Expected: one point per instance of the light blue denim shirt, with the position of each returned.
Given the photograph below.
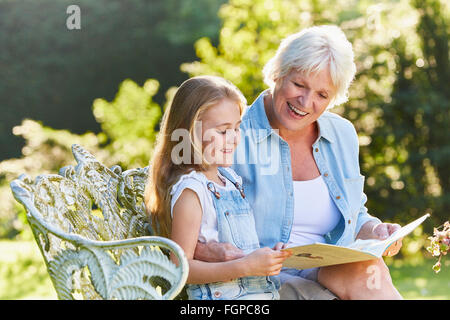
(263, 161)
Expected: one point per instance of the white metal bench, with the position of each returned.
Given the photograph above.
(90, 224)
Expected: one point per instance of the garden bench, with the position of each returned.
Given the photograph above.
(90, 224)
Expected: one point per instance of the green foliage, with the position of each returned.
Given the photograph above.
(46, 150)
(127, 139)
(129, 122)
(415, 281)
(408, 156)
(188, 20)
(253, 30)
(23, 274)
(52, 74)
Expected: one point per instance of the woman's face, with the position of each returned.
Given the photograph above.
(221, 132)
(299, 100)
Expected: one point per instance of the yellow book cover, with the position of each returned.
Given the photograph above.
(321, 254)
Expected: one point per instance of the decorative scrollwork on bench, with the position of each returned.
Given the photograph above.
(90, 224)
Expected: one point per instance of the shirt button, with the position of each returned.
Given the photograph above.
(217, 294)
(338, 197)
(317, 150)
(325, 174)
(349, 221)
(227, 213)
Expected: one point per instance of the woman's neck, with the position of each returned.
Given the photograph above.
(307, 135)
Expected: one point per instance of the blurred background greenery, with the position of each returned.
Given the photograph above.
(105, 87)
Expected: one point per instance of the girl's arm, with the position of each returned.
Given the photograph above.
(187, 216)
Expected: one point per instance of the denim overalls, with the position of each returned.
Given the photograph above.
(236, 225)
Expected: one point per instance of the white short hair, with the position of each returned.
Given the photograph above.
(312, 50)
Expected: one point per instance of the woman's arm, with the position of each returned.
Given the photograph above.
(187, 216)
(213, 251)
(261, 262)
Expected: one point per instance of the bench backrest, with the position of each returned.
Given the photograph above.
(90, 224)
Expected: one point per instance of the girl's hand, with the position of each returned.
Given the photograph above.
(265, 262)
(383, 231)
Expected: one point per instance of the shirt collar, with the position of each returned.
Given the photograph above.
(259, 124)
(325, 130)
(261, 127)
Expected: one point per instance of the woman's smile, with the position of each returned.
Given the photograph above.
(295, 112)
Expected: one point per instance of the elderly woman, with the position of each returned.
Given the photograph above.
(300, 169)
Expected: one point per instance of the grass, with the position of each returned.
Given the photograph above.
(420, 281)
(23, 275)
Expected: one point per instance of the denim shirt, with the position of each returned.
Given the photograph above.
(263, 161)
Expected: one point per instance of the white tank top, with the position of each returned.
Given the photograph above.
(197, 182)
(315, 213)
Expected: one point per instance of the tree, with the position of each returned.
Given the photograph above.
(129, 121)
(52, 74)
(128, 133)
(411, 141)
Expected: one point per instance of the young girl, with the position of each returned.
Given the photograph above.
(193, 195)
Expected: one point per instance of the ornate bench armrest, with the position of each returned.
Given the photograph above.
(123, 269)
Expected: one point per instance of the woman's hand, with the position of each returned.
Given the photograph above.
(383, 231)
(213, 251)
(265, 262)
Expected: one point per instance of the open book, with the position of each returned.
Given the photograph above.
(320, 254)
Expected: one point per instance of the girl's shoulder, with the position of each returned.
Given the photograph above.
(198, 182)
(192, 179)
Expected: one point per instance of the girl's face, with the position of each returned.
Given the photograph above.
(220, 132)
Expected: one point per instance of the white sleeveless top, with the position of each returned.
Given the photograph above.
(315, 213)
(197, 182)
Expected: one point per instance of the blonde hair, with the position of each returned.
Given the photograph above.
(192, 99)
(312, 50)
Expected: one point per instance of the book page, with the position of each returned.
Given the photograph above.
(374, 246)
(320, 254)
(377, 247)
